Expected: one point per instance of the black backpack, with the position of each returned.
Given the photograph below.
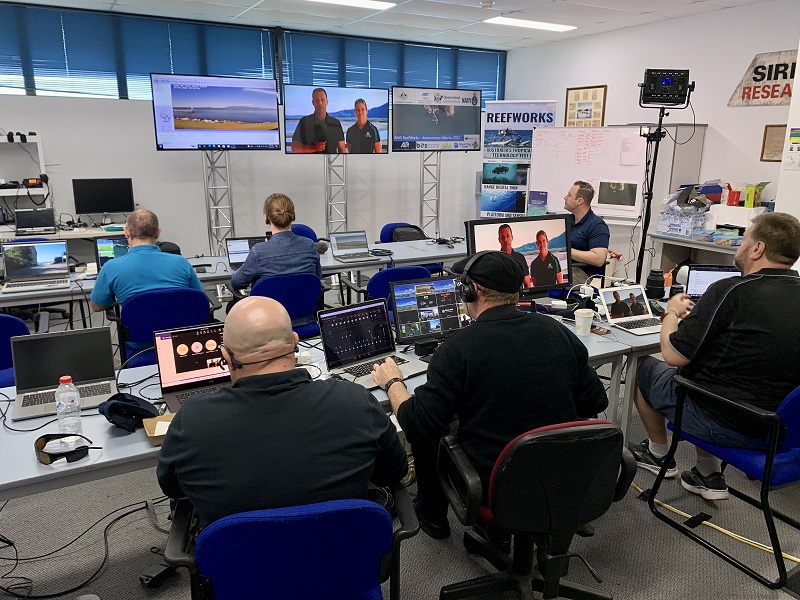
(408, 233)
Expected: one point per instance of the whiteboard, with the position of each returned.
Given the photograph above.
(612, 159)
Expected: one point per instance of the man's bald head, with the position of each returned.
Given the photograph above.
(258, 328)
(142, 224)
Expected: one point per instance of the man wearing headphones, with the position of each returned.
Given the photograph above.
(540, 377)
(739, 341)
(275, 438)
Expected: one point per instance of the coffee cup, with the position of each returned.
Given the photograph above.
(583, 321)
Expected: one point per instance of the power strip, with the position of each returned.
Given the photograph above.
(302, 358)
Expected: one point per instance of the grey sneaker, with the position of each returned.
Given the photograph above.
(646, 460)
(712, 487)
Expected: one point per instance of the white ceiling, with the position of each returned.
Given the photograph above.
(446, 22)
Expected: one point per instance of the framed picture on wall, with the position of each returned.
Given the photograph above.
(586, 106)
(772, 144)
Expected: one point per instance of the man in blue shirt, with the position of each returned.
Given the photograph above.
(589, 234)
(144, 268)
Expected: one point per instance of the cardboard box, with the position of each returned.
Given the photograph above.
(151, 424)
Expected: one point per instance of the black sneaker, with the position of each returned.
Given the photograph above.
(646, 460)
(498, 539)
(438, 531)
(712, 487)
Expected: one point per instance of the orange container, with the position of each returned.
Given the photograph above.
(733, 197)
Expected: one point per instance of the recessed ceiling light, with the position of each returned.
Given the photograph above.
(529, 24)
(371, 4)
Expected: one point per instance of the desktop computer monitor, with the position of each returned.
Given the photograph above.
(427, 309)
(94, 196)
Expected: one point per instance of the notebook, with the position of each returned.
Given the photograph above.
(622, 311)
(427, 308)
(190, 362)
(239, 249)
(109, 248)
(34, 266)
(351, 246)
(41, 359)
(700, 277)
(35, 221)
(355, 337)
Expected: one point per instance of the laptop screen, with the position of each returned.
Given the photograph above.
(41, 359)
(106, 249)
(239, 248)
(356, 332)
(190, 357)
(35, 260)
(29, 218)
(350, 242)
(700, 277)
(427, 308)
(624, 302)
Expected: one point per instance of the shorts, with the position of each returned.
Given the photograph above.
(656, 380)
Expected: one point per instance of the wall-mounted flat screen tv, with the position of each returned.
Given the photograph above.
(335, 120)
(194, 112)
(432, 119)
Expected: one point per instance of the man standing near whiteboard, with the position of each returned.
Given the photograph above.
(589, 234)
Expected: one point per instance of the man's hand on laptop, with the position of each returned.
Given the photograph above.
(681, 304)
(385, 371)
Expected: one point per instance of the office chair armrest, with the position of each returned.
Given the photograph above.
(409, 524)
(627, 472)
(41, 321)
(457, 476)
(179, 551)
(743, 409)
(214, 303)
(349, 284)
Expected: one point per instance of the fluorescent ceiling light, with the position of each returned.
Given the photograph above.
(371, 4)
(529, 24)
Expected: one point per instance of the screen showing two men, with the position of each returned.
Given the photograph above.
(189, 355)
(428, 308)
(628, 301)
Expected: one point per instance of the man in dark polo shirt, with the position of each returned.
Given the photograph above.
(506, 237)
(618, 308)
(318, 133)
(637, 308)
(740, 341)
(545, 268)
(362, 137)
(589, 234)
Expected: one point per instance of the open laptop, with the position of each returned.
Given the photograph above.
(41, 359)
(190, 362)
(355, 337)
(239, 249)
(622, 311)
(35, 221)
(700, 277)
(34, 266)
(351, 246)
(109, 248)
(427, 309)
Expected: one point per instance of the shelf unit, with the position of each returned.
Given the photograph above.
(20, 161)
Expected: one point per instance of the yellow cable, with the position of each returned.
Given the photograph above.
(735, 536)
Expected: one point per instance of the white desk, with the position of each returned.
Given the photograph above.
(8, 232)
(671, 250)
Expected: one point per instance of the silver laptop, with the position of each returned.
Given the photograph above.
(700, 277)
(190, 362)
(239, 249)
(357, 336)
(35, 266)
(41, 359)
(35, 221)
(351, 246)
(627, 307)
(109, 248)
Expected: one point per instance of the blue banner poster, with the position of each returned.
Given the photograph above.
(507, 141)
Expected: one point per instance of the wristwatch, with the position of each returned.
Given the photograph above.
(390, 383)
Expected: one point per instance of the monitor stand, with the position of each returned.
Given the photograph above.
(106, 219)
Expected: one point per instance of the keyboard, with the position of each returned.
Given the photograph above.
(355, 256)
(639, 324)
(26, 284)
(182, 396)
(86, 391)
(364, 369)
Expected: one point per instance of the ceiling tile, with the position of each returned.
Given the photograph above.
(391, 18)
(444, 9)
(686, 10)
(634, 6)
(297, 20)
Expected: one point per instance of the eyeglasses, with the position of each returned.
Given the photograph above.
(72, 455)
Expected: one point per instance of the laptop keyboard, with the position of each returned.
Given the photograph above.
(639, 324)
(86, 391)
(48, 282)
(182, 396)
(364, 369)
(356, 256)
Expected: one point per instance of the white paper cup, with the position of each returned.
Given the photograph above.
(583, 321)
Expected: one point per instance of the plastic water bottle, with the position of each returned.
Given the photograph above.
(68, 409)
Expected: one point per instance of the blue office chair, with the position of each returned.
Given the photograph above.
(9, 327)
(300, 295)
(305, 231)
(147, 312)
(336, 550)
(776, 465)
(379, 284)
(409, 232)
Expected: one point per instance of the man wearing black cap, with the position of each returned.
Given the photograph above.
(539, 375)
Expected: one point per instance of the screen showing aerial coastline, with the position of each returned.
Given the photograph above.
(431, 119)
(193, 112)
(335, 120)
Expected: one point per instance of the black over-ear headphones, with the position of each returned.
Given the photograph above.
(468, 292)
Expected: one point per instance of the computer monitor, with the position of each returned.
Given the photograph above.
(427, 309)
(109, 248)
(94, 196)
(542, 243)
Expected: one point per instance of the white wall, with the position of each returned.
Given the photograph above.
(114, 138)
(788, 197)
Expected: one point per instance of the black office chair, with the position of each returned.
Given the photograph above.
(545, 484)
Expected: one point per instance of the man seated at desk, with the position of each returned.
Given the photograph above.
(589, 234)
(275, 438)
(143, 268)
(739, 341)
(496, 395)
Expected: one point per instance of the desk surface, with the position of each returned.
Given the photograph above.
(9, 233)
(690, 243)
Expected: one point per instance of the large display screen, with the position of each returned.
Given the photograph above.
(94, 196)
(540, 244)
(335, 120)
(432, 119)
(194, 112)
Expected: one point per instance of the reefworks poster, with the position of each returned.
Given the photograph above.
(507, 141)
